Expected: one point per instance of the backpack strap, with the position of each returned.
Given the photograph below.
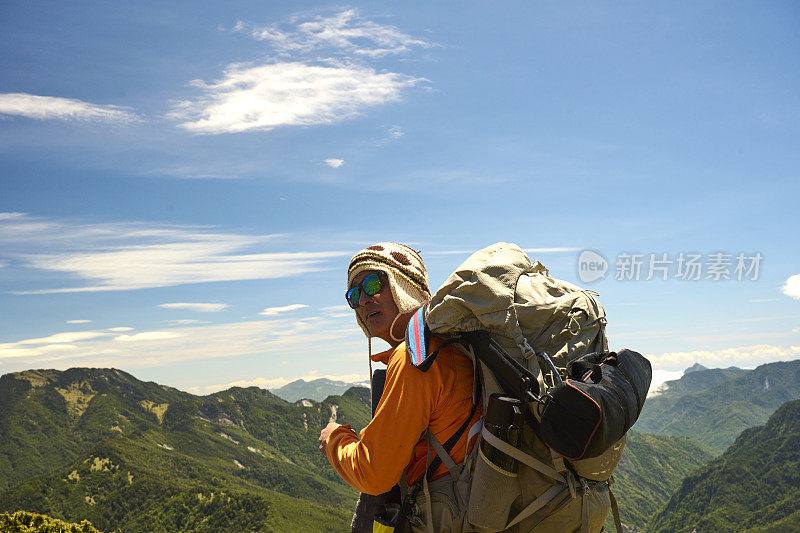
(614, 506)
(522, 457)
(417, 340)
(448, 445)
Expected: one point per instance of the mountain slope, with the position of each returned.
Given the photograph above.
(714, 417)
(651, 469)
(754, 484)
(696, 379)
(24, 522)
(254, 448)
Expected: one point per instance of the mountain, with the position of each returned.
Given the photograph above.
(695, 368)
(318, 389)
(753, 486)
(24, 522)
(697, 378)
(127, 455)
(651, 469)
(716, 415)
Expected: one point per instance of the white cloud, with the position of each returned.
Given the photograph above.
(277, 336)
(792, 287)
(200, 307)
(51, 107)
(526, 250)
(743, 356)
(262, 97)
(67, 337)
(334, 163)
(126, 256)
(336, 308)
(147, 336)
(344, 32)
(185, 322)
(78, 321)
(273, 311)
(394, 133)
(659, 377)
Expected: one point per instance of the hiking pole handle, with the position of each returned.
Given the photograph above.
(512, 376)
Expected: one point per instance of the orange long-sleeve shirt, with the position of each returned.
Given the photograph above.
(412, 400)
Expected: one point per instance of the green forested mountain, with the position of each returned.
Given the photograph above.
(98, 444)
(127, 455)
(651, 469)
(715, 416)
(25, 522)
(317, 389)
(753, 486)
(697, 378)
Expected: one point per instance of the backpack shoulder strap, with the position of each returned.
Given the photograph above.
(418, 340)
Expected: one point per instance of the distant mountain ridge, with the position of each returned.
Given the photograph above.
(317, 389)
(715, 415)
(128, 455)
(697, 378)
(753, 486)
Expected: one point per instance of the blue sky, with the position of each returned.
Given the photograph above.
(181, 188)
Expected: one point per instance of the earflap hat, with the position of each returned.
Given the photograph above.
(408, 277)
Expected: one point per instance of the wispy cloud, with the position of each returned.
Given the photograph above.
(53, 107)
(78, 321)
(334, 163)
(394, 133)
(185, 322)
(792, 287)
(526, 250)
(263, 97)
(126, 348)
(273, 311)
(200, 307)
(127, 256)
(317, 73)
(344, 32)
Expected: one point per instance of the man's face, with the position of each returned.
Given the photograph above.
(376, 311)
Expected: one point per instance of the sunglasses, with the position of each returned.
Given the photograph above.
(371, 285)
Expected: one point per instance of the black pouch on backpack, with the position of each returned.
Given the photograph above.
(596, 405)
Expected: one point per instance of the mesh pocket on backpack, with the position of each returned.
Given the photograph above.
(492, 493)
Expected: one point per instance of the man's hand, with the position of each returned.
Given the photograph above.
(324, 434)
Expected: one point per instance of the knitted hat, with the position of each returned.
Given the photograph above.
(408, 277)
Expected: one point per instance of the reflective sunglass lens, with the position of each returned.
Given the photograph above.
(371, 285)
(353, 295)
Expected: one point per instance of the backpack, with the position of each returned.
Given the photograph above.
(556, 404)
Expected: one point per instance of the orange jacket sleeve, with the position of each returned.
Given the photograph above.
(375, 462)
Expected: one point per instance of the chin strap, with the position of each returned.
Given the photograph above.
(369, 358)
(391, 329)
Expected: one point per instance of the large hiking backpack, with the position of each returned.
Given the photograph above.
(527, 333)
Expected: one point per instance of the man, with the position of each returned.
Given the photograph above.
(387, 283)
